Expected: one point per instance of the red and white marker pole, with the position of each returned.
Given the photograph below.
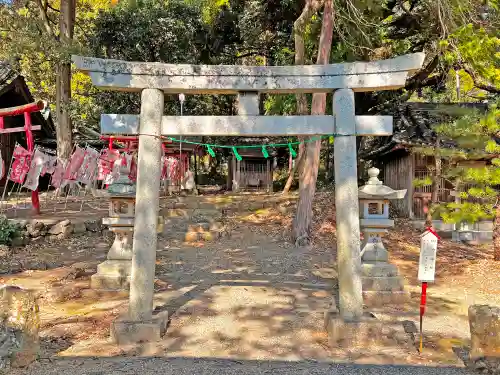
(423, 301)
(426, 270)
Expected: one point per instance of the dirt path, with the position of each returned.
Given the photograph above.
(252, 297)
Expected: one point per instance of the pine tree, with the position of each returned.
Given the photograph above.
(470, 149)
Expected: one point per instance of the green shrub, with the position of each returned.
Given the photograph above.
(8, 230)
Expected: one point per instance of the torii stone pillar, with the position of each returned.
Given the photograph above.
(347, 207)
(154, 79)
(146, 206)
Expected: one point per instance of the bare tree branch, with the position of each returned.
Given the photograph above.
(423, 73)
(54, 9)
(44, 17)
(480, 85)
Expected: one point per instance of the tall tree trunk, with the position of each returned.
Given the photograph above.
(327, 161)
(299, 30)
(63, 82)
(496, 232)
(436, 178)
(297, 167)
(309, 173)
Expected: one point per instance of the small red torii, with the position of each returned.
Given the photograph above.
(25, 110)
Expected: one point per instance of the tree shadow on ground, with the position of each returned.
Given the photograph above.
(245, 299)
(246, 302)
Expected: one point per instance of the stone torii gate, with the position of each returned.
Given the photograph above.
(154, 80)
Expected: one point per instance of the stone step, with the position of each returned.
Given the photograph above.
(202, 236)
(215, 226)
(112, 275)
(176, 213)
(242, 204)
(383, 283)
(377, 298)
(185, 225)
(198, 214)
(379, 270)
(109, 282)
(114, 267)
(190, 236)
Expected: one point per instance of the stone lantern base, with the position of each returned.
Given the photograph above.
(382, 285)
(114, 273)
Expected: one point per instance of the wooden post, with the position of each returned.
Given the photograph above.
(35, 199)
(238, 175)
(195, 155)
(411, 189)
(269, 175)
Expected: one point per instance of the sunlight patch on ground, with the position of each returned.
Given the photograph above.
(246, 322)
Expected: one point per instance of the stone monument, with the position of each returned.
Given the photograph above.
(484, 323)
(381, 282)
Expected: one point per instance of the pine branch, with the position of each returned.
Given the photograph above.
(423, 74)
(478, 83)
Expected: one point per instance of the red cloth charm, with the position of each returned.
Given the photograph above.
(20, 165)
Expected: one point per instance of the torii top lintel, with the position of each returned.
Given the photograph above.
(230, 79)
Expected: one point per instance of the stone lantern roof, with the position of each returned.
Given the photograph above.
(375, 189)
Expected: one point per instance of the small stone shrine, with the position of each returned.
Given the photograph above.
(381, 282)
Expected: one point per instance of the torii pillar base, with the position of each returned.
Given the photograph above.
(126, 332)
(368, 332)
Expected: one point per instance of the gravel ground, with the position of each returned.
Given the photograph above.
(242, 305)
(181, 366)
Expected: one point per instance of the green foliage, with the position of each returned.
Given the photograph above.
(473, 165)
(8, 230)
(35, 52)
(422, 182)
(256, 32)
(476, 47)
(465, 212)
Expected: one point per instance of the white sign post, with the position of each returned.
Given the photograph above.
(426, 269)
(428, 252)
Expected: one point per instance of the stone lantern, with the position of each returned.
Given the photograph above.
(381, 283)
(114, 273)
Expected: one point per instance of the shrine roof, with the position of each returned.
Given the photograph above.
(413, 123)
(6, 74)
